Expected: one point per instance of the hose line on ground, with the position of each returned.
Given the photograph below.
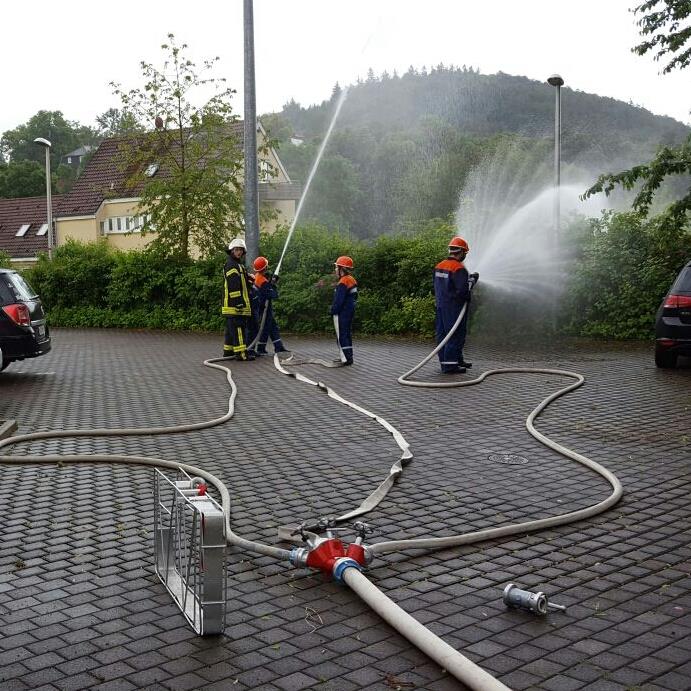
(231, 537)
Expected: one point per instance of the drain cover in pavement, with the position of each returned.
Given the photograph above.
(507, 458)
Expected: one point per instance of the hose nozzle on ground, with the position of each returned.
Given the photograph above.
(529, 601)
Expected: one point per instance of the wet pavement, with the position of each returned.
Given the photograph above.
(81, 607)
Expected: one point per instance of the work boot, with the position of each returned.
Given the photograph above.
(228, 356)
(453, 370)
(465, 365)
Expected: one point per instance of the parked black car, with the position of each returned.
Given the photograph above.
(673, 322)
(23, 329)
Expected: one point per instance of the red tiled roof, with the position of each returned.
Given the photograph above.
(105, 177)
(16, 212)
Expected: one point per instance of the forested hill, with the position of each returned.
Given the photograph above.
(403, 146)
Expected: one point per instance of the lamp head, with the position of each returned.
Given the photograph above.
(555, 80)
(42, 142)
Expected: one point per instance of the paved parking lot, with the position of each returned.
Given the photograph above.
(80, 606)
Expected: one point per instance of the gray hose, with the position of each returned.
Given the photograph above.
(527, 526)
(232, 538)
(396, 469)
(420, 636)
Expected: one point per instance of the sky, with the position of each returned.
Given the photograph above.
(304, 47)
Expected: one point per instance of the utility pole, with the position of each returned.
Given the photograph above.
(251, 182)
(556, 81)
(49, 200)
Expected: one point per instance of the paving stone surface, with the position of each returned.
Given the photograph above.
(81, 607)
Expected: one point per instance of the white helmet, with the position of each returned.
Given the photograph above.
(237, 242)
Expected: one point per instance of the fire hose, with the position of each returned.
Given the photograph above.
(341, 563)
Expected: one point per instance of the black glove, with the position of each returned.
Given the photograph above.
(274, 278)
(474, 277)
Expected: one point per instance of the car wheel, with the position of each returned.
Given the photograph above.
(665, 359)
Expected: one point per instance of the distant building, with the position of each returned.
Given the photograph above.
(101, 204)
(74, 158)
(24, 228)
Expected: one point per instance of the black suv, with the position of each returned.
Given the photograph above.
(673, 322)
(23, 329)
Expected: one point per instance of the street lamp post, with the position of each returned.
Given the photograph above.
(250, 129)
(49, 201)
(557, 82)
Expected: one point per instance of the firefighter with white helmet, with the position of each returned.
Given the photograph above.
(343, 307)
(236, 302)
(452, 286)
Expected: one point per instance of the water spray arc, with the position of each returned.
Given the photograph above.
(339, 104)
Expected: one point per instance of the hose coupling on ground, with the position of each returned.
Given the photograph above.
(341, 565)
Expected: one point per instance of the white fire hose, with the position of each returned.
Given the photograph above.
(448, 658)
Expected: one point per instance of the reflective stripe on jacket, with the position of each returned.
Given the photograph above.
(236, 291)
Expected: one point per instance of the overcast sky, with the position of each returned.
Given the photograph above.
(303, 47)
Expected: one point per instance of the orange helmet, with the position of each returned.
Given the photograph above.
(457, 244)
(344, 262)
(260, 263)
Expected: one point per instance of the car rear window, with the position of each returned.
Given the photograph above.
(14, 288)
(6, 290)
(683, 282)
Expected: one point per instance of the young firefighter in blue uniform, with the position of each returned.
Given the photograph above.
(343, 308)
(452, 287)
(263, 294)
(236, 302)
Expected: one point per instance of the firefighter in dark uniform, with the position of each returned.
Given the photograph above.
(263, 293)
(452, 286)
(236, 302)
(343, 308)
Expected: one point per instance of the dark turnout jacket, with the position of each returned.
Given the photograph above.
(236, 293)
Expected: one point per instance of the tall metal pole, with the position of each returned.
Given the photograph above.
(49, 206)
(49, 200)
(251, 173)
(556, 81)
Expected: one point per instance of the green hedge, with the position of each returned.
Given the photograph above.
(621, 266)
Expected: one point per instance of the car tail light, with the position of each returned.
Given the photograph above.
(677, 301)
(18, 313)
(665, 342)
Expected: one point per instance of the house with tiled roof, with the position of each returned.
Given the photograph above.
(24, 228)
(104, 203)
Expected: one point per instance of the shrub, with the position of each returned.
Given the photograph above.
(626, 267)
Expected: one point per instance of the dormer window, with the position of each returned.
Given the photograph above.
(42, 230)
(151, 170)
(22, 230)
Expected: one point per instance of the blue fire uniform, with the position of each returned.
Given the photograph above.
(343, 310)
(264, 292)
(451, 292)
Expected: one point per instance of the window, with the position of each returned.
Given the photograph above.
(265, 172)
(42, 230)
(122, 224)
(22, 230)
(69, 159)
(151, 170)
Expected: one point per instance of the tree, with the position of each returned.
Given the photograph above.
(117, 123)
(22, 179)
(664, 31)
(64, 135)
(669, 160)
(189, 168)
